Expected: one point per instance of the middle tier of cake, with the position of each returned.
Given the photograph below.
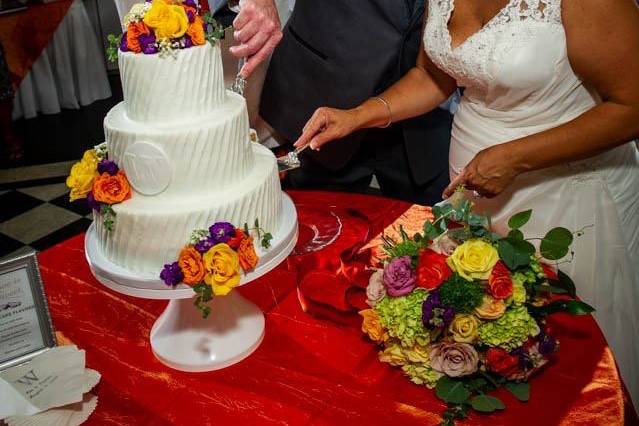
(192, 156)
(150, 231)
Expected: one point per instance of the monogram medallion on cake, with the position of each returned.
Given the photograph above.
(147, 167)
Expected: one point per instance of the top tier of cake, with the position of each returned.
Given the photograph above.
(165, 89)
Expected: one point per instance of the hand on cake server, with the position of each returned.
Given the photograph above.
(257, 30)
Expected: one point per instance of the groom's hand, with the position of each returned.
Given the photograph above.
(258, 30)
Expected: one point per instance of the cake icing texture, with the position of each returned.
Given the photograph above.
(183, 142)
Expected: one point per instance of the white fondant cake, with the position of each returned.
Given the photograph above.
(183, 142)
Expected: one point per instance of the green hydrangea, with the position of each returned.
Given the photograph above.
(402, 318)
(422, 374)
(519, 294)
(510, 331)
(461, 294)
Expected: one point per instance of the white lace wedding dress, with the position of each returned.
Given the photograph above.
(518, 81)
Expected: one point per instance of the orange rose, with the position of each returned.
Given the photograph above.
(190, 261)
(246, 252)
(196, 32)
(135, 30)
(109, 189)
(235, 241)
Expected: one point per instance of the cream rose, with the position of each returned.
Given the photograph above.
(454, 359)
(464, 328)
(375, 291)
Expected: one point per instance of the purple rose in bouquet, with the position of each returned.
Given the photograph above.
(108, 166)
(222, 232)
(399, 276)
(172, 274)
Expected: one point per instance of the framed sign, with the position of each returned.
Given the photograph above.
(26, 329)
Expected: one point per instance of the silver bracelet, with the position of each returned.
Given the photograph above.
(388, 108)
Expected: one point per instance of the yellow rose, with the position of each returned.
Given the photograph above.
(222, 269)
(417, 353)
(473, 260)
(393, 354)
(464, 328)
(490, 308)
(166, 20)
(373, 327)
(82, 174)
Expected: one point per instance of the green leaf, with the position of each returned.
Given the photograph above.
(575, 307)
(418, 237)
(565, 283)
(520, 219)
(515, 253)
(451, 391)
(430, 232)
(486, 403)
(556, 243)
(266, 240)
(521, 391)
(516, 234)
(557, 290)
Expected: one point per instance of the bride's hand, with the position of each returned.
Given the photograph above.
(489, 173)
(326, 125)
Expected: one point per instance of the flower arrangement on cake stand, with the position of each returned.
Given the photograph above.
(181, 338)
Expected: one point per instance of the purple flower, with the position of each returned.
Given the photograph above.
(222, 232)
(191, 16)
(108, 166)
(547, 344)
(187, 42)
(399, 276)
(204, 245)
(93, 205)
(124, 47)
(172, 274)
(434, 314)
(147, 43)
(190, 3)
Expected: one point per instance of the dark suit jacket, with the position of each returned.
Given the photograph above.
(338, 53)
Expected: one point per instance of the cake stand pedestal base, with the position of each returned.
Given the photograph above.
(183, 340)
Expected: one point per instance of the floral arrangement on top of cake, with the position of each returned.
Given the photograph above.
(164, 26)
(212, 261)
(100, 181)
(462, 309)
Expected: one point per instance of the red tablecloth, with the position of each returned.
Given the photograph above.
(25, 34)
(307, 371)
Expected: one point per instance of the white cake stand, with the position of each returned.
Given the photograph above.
(180, 337)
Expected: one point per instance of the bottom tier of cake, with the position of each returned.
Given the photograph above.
(150, 231)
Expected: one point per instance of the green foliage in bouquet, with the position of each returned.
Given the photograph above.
(462, 295)
(510, 331)
(113, 47)
(402, 317)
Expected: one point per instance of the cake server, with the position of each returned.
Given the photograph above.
(240, 82)
(290, 161)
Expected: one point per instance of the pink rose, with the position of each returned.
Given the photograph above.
(453, 359)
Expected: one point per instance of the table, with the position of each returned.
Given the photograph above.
(24, 35)
(308, 371)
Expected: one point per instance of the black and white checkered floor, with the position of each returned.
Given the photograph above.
(35, 213)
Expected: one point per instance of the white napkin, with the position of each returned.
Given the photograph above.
(52, 379)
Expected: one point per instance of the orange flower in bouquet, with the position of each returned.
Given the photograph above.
(235, 240)
(500, 284)
(247, 255)
(196, 31)
(111, 189)
(432, 269)
(134, 31)
(192, 266)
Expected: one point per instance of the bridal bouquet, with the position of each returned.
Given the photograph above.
(462, 310)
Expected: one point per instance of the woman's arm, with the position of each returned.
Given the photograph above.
(603, 48)
(422, 89)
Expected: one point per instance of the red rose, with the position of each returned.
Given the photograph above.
(432, 269)
(500, 284)
(235, 241)
(501, 362)
(551, 274)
